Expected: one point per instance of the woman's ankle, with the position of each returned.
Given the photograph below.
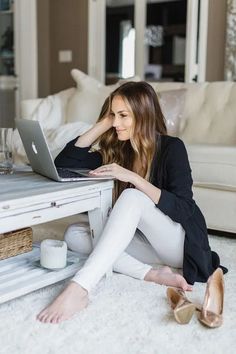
(151, 275)
(156, 275)
(74, 285)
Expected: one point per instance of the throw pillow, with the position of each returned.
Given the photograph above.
(51, 110)
(86, 102)
(172, 105)
(58, 138)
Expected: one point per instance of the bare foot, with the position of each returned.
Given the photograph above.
(165, 276)
(73, 299)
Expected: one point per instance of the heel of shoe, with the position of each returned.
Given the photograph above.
(184, 313)
(212, 309)
(183, 308)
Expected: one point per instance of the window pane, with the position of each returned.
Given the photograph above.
(165, 38)
(120, 37)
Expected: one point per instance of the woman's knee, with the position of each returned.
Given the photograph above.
(71, 232)
(78, 238)
(133, 194)
(135, 197)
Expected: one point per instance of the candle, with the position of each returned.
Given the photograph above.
(53, 254)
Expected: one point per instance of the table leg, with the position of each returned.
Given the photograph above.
(98, 218)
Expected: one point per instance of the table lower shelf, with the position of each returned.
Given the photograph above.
(20, 275)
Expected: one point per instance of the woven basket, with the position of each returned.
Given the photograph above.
(15, 242)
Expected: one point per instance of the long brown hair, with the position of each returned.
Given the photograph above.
(137, 153)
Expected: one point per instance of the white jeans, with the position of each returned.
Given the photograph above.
(135, 226)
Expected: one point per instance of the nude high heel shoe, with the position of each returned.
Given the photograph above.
(212, 309)
(182, 307)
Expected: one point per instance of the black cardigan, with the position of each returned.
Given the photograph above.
(171, 173)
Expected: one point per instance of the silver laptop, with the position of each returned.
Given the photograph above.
(40, 158)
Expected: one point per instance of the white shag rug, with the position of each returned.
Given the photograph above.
(125, 316)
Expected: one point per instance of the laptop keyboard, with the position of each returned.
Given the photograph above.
(63, 173)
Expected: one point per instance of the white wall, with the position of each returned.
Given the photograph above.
(26, 48)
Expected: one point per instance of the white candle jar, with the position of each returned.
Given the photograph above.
(53, 254)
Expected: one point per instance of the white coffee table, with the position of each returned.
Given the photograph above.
(27, 199)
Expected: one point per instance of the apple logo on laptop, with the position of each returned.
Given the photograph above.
(34, 148)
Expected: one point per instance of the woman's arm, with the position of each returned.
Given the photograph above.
(176, 198)
(146, 187)
(125, 175)
(76, 153)
(88, 138)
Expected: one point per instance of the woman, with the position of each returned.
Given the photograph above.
(153, 198)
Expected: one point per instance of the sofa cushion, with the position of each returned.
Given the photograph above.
(209, 116)
(209, 111)
(87, 100)
(58, 138)
(50, 111)
(172, 106)
(28, 107)
(213, 166)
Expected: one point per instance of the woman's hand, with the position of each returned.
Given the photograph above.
(93, 133)
(125, 175)
(107, 121)
(115, 170)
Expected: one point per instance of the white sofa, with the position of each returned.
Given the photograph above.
(202, 114)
